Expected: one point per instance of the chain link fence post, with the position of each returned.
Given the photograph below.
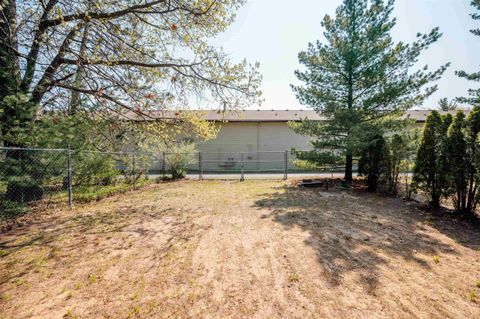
(163, 164)
(133, 171)
(242, 171)
(285, 172)
(200, 168)
(69, 177)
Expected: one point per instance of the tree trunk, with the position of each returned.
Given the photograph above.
(75, 101)
(349, 157)
(23, 185)
(349, 168)
(435, 203)
(9, 66)
(10, 72)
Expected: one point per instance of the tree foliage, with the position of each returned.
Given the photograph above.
(402, 147)
(384, 158)
(446, 105)
(456, 156)
(107, 59)
(88, 73)
(430, 165)
(462, 149)
(474, 94)
(448, 160)
(359, 76)
(374, 162)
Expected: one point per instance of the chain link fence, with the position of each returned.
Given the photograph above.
(44, 177)
(31, 175)
(243, 163)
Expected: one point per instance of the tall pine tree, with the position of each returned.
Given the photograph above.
(464, 162)
(358, 77)
(429, 174)
(457, 164)
(473, 161)
(474, 94)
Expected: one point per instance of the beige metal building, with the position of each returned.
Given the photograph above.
(261, 138)
(257, 131)
(262, 130)
(266, 131)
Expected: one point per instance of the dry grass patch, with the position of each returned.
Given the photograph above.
(258, 249)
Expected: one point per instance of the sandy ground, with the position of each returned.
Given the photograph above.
(225, 249)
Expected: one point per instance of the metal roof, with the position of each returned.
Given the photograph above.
(257, 115)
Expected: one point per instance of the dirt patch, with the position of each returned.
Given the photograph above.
(257, 249)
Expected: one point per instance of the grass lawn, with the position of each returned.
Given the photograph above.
(226, 249)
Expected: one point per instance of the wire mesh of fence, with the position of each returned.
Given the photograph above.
(38, 178)
(249, 161)
(32, 177)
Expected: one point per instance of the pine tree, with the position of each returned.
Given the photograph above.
(374, 162)
(446, 105)
(359, 77)
(456, 155)
(473, 161)
(447, 120)
(400, 147)
(429, 172)
(474, 94)
(462, 154)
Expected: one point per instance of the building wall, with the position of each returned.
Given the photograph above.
(260, 137)
(255, 137)
(278, 136)
(263, 145)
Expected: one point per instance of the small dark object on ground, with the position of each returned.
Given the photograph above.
(312, 183)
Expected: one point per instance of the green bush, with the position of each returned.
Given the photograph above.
(26, 174)
(89, 193)
(9, 209)
(93, 168)
(384, 158)
(179, 157)
(430, 172)
(402, 148)
(317, 159)
(448, 160)
(462, 150)
(374, 162)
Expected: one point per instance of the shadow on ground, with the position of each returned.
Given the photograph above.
(57, 240)
(358, 232)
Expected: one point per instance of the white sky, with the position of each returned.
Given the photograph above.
(273, 32)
